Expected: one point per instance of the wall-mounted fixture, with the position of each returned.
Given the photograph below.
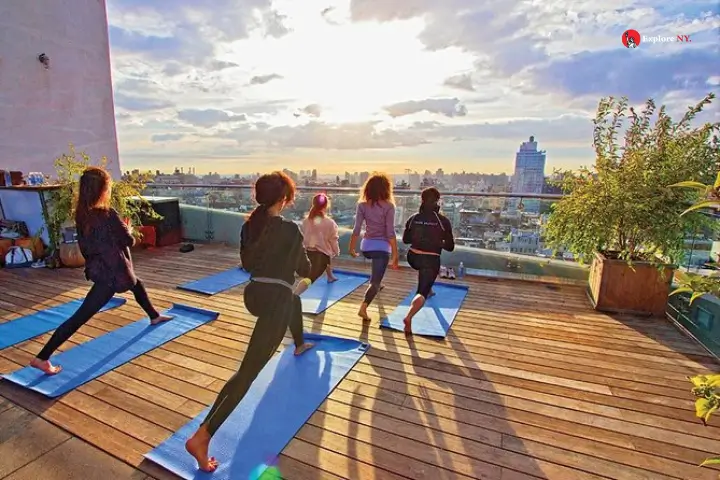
(45, 60)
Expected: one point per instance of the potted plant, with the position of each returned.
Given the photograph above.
(621, 216)
(126, 199)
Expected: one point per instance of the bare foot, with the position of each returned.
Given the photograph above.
(362, 313)
(197, 446)
(160, 319)
(45, 366)
(408, 326)
(332, 279)
(303, 348)
(431, 294)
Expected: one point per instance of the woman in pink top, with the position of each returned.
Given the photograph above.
(320, 234)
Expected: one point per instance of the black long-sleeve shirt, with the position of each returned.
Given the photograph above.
(429, 231)
(281, 255)
(106, 249)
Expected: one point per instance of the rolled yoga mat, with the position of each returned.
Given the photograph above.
(30, 326)
(322, 295)
(93, 358)
(435, 317)
(219, 282)
(283, 397)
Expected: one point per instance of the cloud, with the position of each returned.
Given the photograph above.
(449, 107)
(321, 135)
(263, 79)
(460, 82)
(167, 137)
(634, 73)
(312, 110)
(209, 117)
(140, 104)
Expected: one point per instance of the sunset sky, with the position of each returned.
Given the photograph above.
(238, 86)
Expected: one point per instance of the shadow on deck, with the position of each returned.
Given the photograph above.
(529, 383)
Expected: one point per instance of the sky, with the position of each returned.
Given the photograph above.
(238, 86)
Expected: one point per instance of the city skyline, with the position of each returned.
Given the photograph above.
(376, 85)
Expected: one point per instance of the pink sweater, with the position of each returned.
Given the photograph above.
(321, 234)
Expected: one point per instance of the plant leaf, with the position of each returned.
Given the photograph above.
(697, 185)
(682, 290)
(711, 461)
(698, 380)
(695, 296)
(704, 408)
(705, 204)
(717, 182)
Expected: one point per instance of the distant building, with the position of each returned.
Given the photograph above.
(529, 176)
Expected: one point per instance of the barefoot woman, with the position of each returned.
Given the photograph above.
(105, 243)
(271, 249)
(376, 209)
(427, 232)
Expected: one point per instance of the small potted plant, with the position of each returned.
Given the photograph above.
(620, 215)
(126, 199)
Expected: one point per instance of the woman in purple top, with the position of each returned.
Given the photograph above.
(376, 210)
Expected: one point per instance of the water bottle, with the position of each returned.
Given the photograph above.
(461, 270)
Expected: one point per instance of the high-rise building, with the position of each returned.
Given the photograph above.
(529, 176)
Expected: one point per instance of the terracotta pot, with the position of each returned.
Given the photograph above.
(70, 255)
(616, 287)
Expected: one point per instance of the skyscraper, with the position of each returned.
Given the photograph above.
(529, 175)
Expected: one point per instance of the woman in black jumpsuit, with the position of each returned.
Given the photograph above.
(271, 249)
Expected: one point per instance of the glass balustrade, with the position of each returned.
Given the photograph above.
(494, 233)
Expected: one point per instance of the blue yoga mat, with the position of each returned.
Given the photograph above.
(322, 295)
(435, 317)
(218, 282)
(30, 326)
(95, 357)
(283, 397)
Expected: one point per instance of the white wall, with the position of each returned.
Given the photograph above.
(41, 111)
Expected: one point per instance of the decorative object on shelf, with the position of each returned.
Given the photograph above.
(61, 207)
(621, 215)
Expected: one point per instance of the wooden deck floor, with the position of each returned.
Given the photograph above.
(530, 383)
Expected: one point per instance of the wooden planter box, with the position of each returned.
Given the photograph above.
(615, 287)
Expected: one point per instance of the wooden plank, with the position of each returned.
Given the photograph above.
(76, 459)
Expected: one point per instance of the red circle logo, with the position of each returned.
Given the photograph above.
(631, 39)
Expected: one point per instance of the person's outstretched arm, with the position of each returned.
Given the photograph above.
(390, 232)
(407, 234)
(359, 219)
(121, 232)
(302, 262)
(449, 240)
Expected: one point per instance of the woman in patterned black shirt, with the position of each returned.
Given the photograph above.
(105, 242)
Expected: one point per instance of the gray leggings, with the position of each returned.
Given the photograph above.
(380, 262)
(277, 309)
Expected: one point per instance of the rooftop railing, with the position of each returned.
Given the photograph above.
(495, 233)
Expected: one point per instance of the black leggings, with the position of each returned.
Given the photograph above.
(428, 268)
(318, 263)
(277, 309)
(380, 262)
(96, 298)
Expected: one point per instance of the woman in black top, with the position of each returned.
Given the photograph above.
(427, 232)
(272, 251)
(105, 242)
